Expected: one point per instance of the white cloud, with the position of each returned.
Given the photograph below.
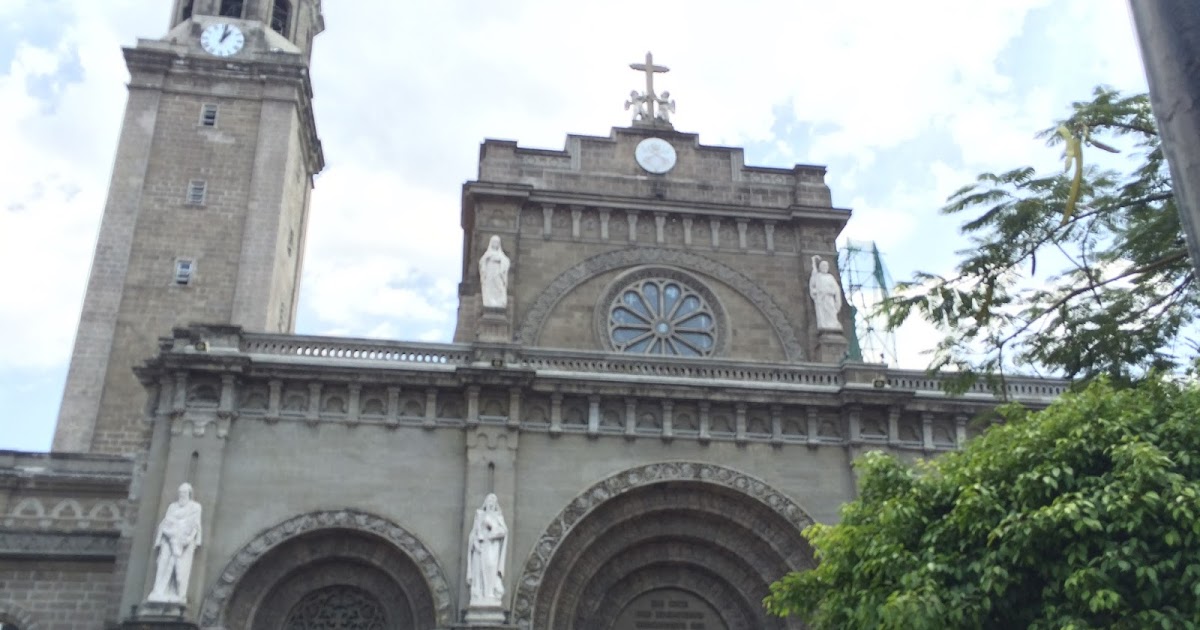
(405, 92)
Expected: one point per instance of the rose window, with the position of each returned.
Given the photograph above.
(662, 316)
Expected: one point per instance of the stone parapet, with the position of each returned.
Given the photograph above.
(711, 175)
(211, 377)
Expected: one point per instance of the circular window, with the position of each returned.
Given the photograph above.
(662, 316)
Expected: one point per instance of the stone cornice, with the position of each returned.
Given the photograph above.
(149, 64)
(65, 472)
(219, 377)
(498, 190)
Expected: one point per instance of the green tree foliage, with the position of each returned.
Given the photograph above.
(1084, 515)
(1084, 272)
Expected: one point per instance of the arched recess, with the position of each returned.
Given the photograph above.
(286, 566)
(535, 318)
(699, 530)
(11, 614)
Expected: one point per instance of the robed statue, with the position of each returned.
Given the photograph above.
(176, 540)
(487, 551)
(493, 275)
(826, 295)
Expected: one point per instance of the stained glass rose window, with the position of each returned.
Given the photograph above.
(662, 316)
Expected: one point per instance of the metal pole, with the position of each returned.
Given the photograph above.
(1169, 33)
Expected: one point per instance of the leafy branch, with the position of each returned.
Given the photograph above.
(1081, 273)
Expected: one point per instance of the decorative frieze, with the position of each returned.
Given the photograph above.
(59, 545)
(64, 514)
(593, 394)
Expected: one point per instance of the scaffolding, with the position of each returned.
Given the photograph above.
(867, 285)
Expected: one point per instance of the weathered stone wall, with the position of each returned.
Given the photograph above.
(245, 239)
(64, 521)
(283, 436)
(37, 594)
(565, 218)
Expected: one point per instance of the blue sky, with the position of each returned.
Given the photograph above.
(905, 102)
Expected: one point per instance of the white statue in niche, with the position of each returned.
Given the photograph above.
(826, 295)
(176, 540)
(486, 553)
(493, 275)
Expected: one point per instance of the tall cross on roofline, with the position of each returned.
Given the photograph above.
(644, 104)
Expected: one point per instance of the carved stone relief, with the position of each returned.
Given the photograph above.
(552, 538)
(227, 582)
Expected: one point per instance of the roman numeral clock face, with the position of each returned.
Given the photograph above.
(222, 39)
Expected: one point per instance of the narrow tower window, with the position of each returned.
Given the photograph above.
(231, 8)
(208, 115)
(281, 16)
(183, 271)
(291, 241)
(196, 191)
(186, 11)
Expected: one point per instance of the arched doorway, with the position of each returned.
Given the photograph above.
(681, 545)
(330, 571)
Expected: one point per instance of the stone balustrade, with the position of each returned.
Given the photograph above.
(211, 376)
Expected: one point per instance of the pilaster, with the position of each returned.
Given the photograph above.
(490, 469)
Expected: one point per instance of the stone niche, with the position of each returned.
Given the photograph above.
(669, 609)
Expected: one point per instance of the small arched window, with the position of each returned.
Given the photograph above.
(231, 8)
(281, 17)
(185, 12)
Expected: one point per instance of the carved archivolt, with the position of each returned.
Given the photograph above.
(539, 311)
(552, 538)
(218, 596)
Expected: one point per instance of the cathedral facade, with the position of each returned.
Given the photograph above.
(645, 402)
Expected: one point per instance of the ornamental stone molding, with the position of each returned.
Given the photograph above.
(551, 539)
(67, 514)
(59, 545)
(218, 597)
(565, 283)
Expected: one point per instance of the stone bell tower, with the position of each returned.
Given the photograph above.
(208, 204)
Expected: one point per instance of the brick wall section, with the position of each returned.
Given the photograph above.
(246, 239)
(769, 224)
(60, 595)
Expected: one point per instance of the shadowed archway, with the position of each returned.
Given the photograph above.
(326, 566)
(665, 543)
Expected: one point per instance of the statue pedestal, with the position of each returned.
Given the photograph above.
(493, 326)
(159, 616)
(485, 617)
(831, 346)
